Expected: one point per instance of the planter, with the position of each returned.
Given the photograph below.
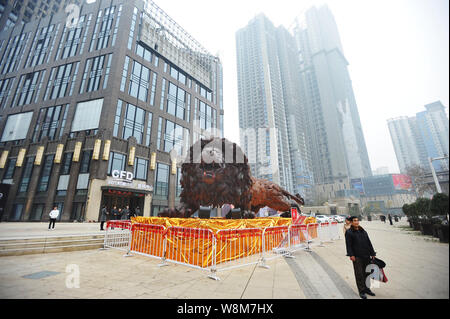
(443, 233)
(416, 225)
(426, 228)
(369, 218)
(396, 218)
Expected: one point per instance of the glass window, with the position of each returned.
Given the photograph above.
(117, 161)
(48, 123)
(10, 166)
(117, 118)
(140, 168)
(85, 161)
(162, 180)
(149, 129)
(134, 123)
(87, 115)
(16, 127)
(26, 174)
(45, 173)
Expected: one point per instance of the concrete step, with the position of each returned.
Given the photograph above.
(49, 244)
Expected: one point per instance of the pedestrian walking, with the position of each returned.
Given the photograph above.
(103, 216)
(53, 216)
(390, 219)
(361, 252)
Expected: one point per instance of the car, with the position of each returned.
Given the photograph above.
(338, 218)
(322, 219)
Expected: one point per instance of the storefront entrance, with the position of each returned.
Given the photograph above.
(122, 198)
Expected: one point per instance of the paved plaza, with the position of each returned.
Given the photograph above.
(416, 268)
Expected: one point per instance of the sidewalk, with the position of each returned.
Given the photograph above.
(11, 230)
(416, 268)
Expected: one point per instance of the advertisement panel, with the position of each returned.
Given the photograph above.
(402, 182)
(356, 183)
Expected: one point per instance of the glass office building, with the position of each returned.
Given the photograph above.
(91, 109)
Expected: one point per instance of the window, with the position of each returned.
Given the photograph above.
(26, 175)
(45, 173)
(163, 93)
(153, 91)
(48, 122)
(139, 81)
(162, 181)
(117, 118)
(13, 52)
(28, 89)
(85, 161)
(140, 168)
(124, 74)
(73, 38)
(102, 29)
(93, 73)
(10, 166)
(16, 214)
(176, 137)
(149, 129)
(16, 127)
(176, 102)
(61, 82)
(87, 115)
(42, 45)
(156, 209)
(134, 123)
(36, 212)
(5, 90)
(144, 53)
(117, 161)
(66, 163)
(132, 29)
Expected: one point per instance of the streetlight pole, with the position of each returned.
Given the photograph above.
(436, 181)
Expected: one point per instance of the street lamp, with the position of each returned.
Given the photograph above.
(436, 181)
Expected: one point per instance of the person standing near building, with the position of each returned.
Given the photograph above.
(103, 216)
(361, 252)
(390, 219)
(115, 213)
(137, 212)
(125, 213)
(53, 216)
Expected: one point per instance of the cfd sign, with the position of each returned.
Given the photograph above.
(123, 175)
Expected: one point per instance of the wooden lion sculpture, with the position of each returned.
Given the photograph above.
(216, 172)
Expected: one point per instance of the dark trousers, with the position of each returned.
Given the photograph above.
(359, 266)
(101, 225)
(52, 221)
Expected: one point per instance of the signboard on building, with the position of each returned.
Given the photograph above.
(402, 182)
(356, 183)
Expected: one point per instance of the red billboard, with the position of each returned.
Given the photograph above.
(402, 182)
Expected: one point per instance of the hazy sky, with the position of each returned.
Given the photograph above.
(398, 52)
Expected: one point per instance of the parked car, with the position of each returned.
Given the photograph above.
(322, 219)
(338, 218)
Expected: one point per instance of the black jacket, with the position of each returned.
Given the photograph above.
(358, 243)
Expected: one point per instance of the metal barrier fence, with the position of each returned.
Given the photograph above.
(227, 249)
(118, 235)
(334, 231)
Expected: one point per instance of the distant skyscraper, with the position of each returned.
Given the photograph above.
(334, 133)
(417, 138)
(381, 171)
(270, 115)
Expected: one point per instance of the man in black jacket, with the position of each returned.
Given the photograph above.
(360, 251)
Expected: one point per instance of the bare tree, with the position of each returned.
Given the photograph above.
(420, 184)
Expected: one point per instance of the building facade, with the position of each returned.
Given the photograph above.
(270, 114)
(417, 138)
(334, 132)
(91, 109)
